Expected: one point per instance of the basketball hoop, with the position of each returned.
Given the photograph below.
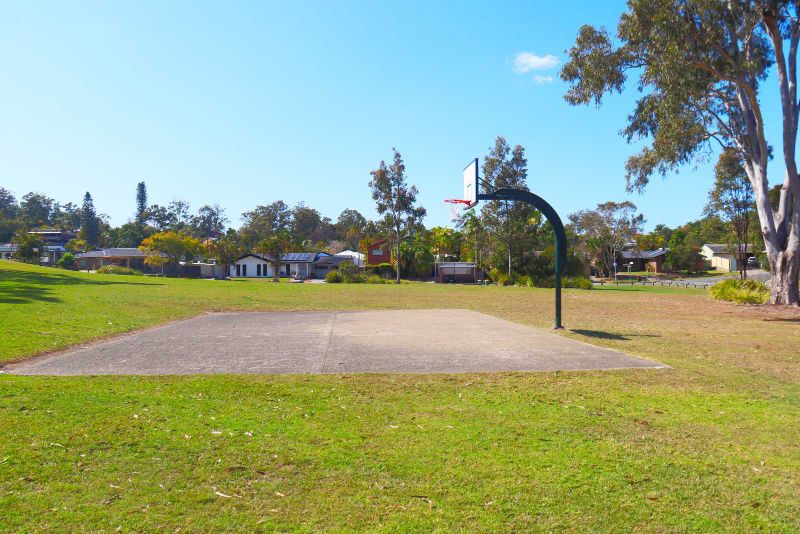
(454, 209)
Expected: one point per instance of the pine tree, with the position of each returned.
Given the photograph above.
(90, 225)
(141, 203)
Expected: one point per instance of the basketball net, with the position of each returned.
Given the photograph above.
(455, 207)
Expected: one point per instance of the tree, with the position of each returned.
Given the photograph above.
(141, 203)
(350, 227)
(8, 215)
(29, 246)
(161, 217)
(265, 221)
(67, 261)
(169, 247)
(34, 210)
(8, 204)
(699, 66)
(471, 225)
(209, 220)
(305, 223)
(732, 198)
(90, 224)
(274, 247)
(606, 230)
(65, 217)
(224, 250)
(180, 216)
(395, 199)
(508, 224)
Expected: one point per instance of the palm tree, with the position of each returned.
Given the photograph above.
(274, 247)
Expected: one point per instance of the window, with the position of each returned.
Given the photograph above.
(258, 270)
(244, 270)
(238, 270)
(377, 252)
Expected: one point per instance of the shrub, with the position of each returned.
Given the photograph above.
(376, 279)
(116, 269)
(524, 280)
(387, 270)
(67, 261)
(334, 277)
(578, 282)
(741, 291)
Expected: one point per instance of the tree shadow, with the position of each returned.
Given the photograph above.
(598, 334)
(21, 287)
(784, 320)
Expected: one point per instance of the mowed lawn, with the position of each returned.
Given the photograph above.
(711, 444)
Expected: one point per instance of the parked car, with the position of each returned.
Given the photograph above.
(753, 262)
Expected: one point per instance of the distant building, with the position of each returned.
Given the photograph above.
(7, 250)
(55, 242)
(378, 252)
(456, 272)
(292, 264)
(132, 258)
(723, 257)
(651, 261)
(356, 257)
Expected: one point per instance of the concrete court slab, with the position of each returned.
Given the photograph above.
(407, 341)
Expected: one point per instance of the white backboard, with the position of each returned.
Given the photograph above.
(471, 183)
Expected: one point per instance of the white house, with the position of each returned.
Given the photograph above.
(723, 257)
(293, 264)
(356, 257)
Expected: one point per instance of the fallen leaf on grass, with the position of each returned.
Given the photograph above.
(220, 494)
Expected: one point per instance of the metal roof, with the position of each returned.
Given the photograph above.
(8, 247)
(722, 248)
(642, 254)
(114, 253)
(290, 257)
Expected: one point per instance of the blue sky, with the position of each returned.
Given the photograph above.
(246, 103)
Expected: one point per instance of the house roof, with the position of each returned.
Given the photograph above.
(114, 253)
(350, 253)
(332, 260)
(8, 247)
(376, 243)
(292, 257)
(642, 254)
(722, 248)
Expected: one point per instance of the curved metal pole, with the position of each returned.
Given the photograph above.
(558, 230)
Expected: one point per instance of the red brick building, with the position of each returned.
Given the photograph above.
(378, 252)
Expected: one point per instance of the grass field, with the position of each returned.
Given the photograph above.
(711, 444)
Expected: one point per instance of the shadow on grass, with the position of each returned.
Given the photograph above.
(20, 287)
(598, 334)
(795, 320)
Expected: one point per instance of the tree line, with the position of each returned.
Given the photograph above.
(511, 241)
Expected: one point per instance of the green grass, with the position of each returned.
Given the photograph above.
(708, 445)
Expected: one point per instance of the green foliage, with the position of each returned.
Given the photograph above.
(90, 224)
(377, 279)
(29, 246)
(334, 277)
(523, 280)
(117, 269)
(67, 261)
(349, 270)
(741, 291)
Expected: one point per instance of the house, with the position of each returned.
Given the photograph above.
(651, 261)
(293, 264)
(456, 271)
(356, 257)
(722, 257)
(132, 258)
(54, 241)
(326, 264)
(7, 250)
(378, 252)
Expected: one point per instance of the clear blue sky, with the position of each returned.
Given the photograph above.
(246, 103)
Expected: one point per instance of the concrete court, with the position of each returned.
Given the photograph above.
(408, 341)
